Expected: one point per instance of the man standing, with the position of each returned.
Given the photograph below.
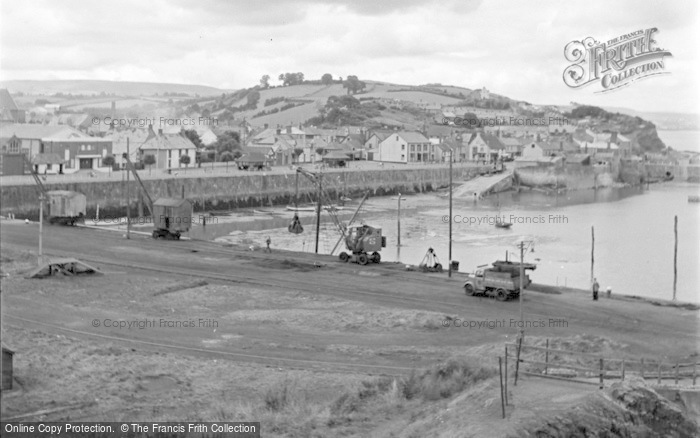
(269, 241)
(596, 288)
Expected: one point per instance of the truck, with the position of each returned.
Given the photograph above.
(501, 280)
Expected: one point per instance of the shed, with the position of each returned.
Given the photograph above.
(253, 160)
(6, 367)
(336, 157)
(47, 161)
(66, 205)
(172, 214)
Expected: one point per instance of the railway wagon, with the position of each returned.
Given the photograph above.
(171, 217)
(66, 207)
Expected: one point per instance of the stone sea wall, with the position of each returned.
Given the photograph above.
(237, 191)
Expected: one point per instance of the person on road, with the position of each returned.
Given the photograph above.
(268, 241)
(596, 288)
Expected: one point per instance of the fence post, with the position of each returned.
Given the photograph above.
(517, 360)
(694, 372)
(658, 380)
(500, 371)
(505, 386)
(677, 368)
(601, 373)
(623, 369)
(643, 369)
(546, 357)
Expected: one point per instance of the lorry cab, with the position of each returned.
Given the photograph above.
(478, 278)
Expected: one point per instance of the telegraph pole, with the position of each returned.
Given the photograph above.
(520, 295)
(128, 195)
(592, 254)
(675, 256)
(398, 223)
(41, 226)
(449, 254)
(318, 209)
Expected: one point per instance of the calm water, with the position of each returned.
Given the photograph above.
(681, 140)
(634, 236)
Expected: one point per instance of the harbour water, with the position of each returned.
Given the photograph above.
(634, 234)
(681, 140)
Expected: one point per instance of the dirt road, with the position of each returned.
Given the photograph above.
(644, 328)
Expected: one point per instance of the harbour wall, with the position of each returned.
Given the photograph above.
(576, 177)
(221, 193)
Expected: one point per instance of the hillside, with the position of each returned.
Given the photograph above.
(392, 105)
(642, 132)
(120, 88)
(382, 105)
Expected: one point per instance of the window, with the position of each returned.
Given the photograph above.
(82, 147)
(14, 146)
(413, 148)
(403, 147)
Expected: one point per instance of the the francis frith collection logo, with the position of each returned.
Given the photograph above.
(615, 63)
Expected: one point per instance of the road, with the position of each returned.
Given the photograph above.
(647, 330)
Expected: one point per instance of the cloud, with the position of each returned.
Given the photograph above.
(512, 48)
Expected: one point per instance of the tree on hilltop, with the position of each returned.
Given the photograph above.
(353, 84)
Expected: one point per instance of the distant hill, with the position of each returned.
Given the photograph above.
(120, 88)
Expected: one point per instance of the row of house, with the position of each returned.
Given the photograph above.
(63, 149)
(50, 149)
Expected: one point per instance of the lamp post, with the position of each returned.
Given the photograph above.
(449, 250)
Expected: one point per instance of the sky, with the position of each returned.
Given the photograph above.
(512, 48)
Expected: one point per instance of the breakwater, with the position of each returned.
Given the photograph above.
(227, 192)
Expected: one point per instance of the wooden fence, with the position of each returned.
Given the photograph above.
(592, 367)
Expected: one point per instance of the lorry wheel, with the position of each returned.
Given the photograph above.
(362, 259)
(501, 295)
(344, 256)
(154, 234)
(469, 289)
(438, 267)
(376, 258)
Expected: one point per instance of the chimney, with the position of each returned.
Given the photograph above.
(278, 131)
(266, 126)
(289, 129)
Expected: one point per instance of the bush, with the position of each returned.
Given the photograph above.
(276, 398)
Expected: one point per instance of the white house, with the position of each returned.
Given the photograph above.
(405, 147)
(532, 151)
(372, 144)
(168, 149)
(484, 146)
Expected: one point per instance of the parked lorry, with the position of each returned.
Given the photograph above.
(501, 281)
